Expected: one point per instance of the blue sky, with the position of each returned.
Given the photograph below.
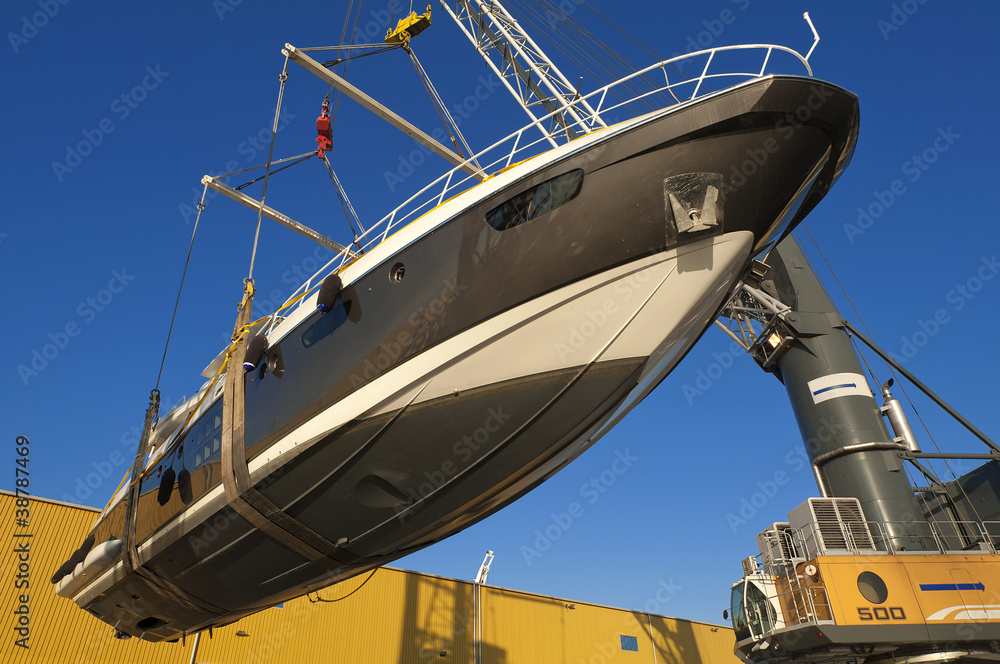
(114, 111)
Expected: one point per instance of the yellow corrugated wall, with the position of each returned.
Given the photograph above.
(391, 617)
(396, 616)
(523, 627)
(60, 631)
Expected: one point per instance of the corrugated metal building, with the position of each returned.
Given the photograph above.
(391, 616)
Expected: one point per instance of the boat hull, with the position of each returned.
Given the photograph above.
(421, 404)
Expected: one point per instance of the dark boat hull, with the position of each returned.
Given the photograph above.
(419, 406)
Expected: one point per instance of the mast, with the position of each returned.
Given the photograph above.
(804, 344)
(518, 61)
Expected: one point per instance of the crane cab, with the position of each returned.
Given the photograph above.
(835, 588)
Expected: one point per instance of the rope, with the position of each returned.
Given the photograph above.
(163, 360)
(320, 599)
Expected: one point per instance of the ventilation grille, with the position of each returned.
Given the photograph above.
(776, 545)
(831, 525)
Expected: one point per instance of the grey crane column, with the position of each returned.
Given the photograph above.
(845, 435)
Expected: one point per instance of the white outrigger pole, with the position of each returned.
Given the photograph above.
(491, 29)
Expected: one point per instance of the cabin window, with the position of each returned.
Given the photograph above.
(209, 432)
(540, 199)
(758, 610)
(736, 612)
(324, 326)
(202, 443)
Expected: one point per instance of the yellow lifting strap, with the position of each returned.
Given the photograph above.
(409, 27)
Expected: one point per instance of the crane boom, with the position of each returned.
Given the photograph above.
(524, 69)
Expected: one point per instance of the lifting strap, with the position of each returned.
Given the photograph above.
(241, 495)
(130, 550)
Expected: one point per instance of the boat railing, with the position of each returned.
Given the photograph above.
(665, 82)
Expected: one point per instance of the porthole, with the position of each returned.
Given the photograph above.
(396, 273)
(872, 587)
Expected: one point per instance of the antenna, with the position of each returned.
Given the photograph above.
(815, 34)
(484, 569)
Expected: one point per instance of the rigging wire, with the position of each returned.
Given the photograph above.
(606, 72)
(298, 160)
(345, 63)
(625, 67)
(350, 58)
(267, 172)
(442, 110)
(273, 163)
(632, 38)
(609, 68)
(616, 63)
(870, 335)
(345, 202)
(343, 71)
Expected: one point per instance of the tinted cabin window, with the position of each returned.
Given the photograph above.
(208, 444)
(535, 202)
(201, 443)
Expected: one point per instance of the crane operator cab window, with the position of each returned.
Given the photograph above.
(752, 613)
(736, 612)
